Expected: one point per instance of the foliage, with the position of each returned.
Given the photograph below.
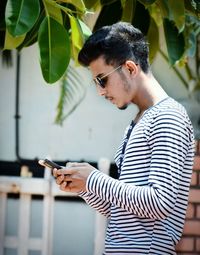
(72, 92)
(60, 28)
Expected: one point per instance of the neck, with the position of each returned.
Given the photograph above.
(149, 93)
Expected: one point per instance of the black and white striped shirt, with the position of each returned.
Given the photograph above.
(146, 207)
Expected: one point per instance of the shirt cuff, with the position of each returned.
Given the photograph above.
(91, 180)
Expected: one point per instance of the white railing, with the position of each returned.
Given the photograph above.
(26, 187)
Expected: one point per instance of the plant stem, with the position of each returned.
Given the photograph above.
(188, 71)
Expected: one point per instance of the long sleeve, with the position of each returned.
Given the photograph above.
(168, 140)
(102, 206)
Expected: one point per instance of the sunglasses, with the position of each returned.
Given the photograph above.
(101, 81)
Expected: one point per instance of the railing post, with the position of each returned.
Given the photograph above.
(24, 223)
(3, 199)
(48, 204)
(100, 220)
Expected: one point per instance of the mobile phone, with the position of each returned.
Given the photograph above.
(48, 163)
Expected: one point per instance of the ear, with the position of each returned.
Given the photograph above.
(131, 66)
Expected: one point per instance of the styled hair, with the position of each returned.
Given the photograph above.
(116, 44)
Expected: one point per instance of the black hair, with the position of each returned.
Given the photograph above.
(116, 43)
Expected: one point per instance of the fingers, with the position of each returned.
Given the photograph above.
(63, 186)
(71, 168)
(67, 186)
(73, 177)
(60, 179)
(63, 178)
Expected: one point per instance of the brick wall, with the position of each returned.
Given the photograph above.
(190, 241)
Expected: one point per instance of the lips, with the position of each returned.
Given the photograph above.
(111, 99)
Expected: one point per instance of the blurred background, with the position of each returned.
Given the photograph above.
(64, 119)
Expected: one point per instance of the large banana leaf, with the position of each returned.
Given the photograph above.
(21, 15)
(54, 48)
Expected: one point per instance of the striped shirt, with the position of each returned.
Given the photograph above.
(146, 207)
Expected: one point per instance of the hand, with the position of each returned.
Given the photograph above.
(73, 178)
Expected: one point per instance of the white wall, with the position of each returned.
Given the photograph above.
(94, 130)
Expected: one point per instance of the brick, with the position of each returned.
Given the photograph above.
(197, 147)
(186, 244)
(194, 180)
(194, 196)
(190, 211)
(187, 253)
(198, 212)
(197, 247)
(196, 165)
(192, 227)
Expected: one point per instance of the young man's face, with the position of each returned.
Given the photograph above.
(113, 83)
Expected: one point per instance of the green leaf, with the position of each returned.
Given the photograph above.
(76, 37)
(76, 33)
(12, 42)
(90, 4)
(177, 13)
(128, 10)
(146, 2)
(79, 32)
(32, 35)
(164, 8)
(153, 39)
(21, 15)
(191, 8)
(85, 29)
(155, 13)
(79, 4)
(174, 40)
(54, 45)
(53, 10)
(107, 2)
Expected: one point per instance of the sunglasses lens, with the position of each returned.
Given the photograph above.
(100, 82)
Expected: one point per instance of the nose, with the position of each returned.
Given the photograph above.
(101, 91)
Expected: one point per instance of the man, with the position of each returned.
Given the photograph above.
(146, 205)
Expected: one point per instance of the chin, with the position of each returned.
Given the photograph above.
(123, 107)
